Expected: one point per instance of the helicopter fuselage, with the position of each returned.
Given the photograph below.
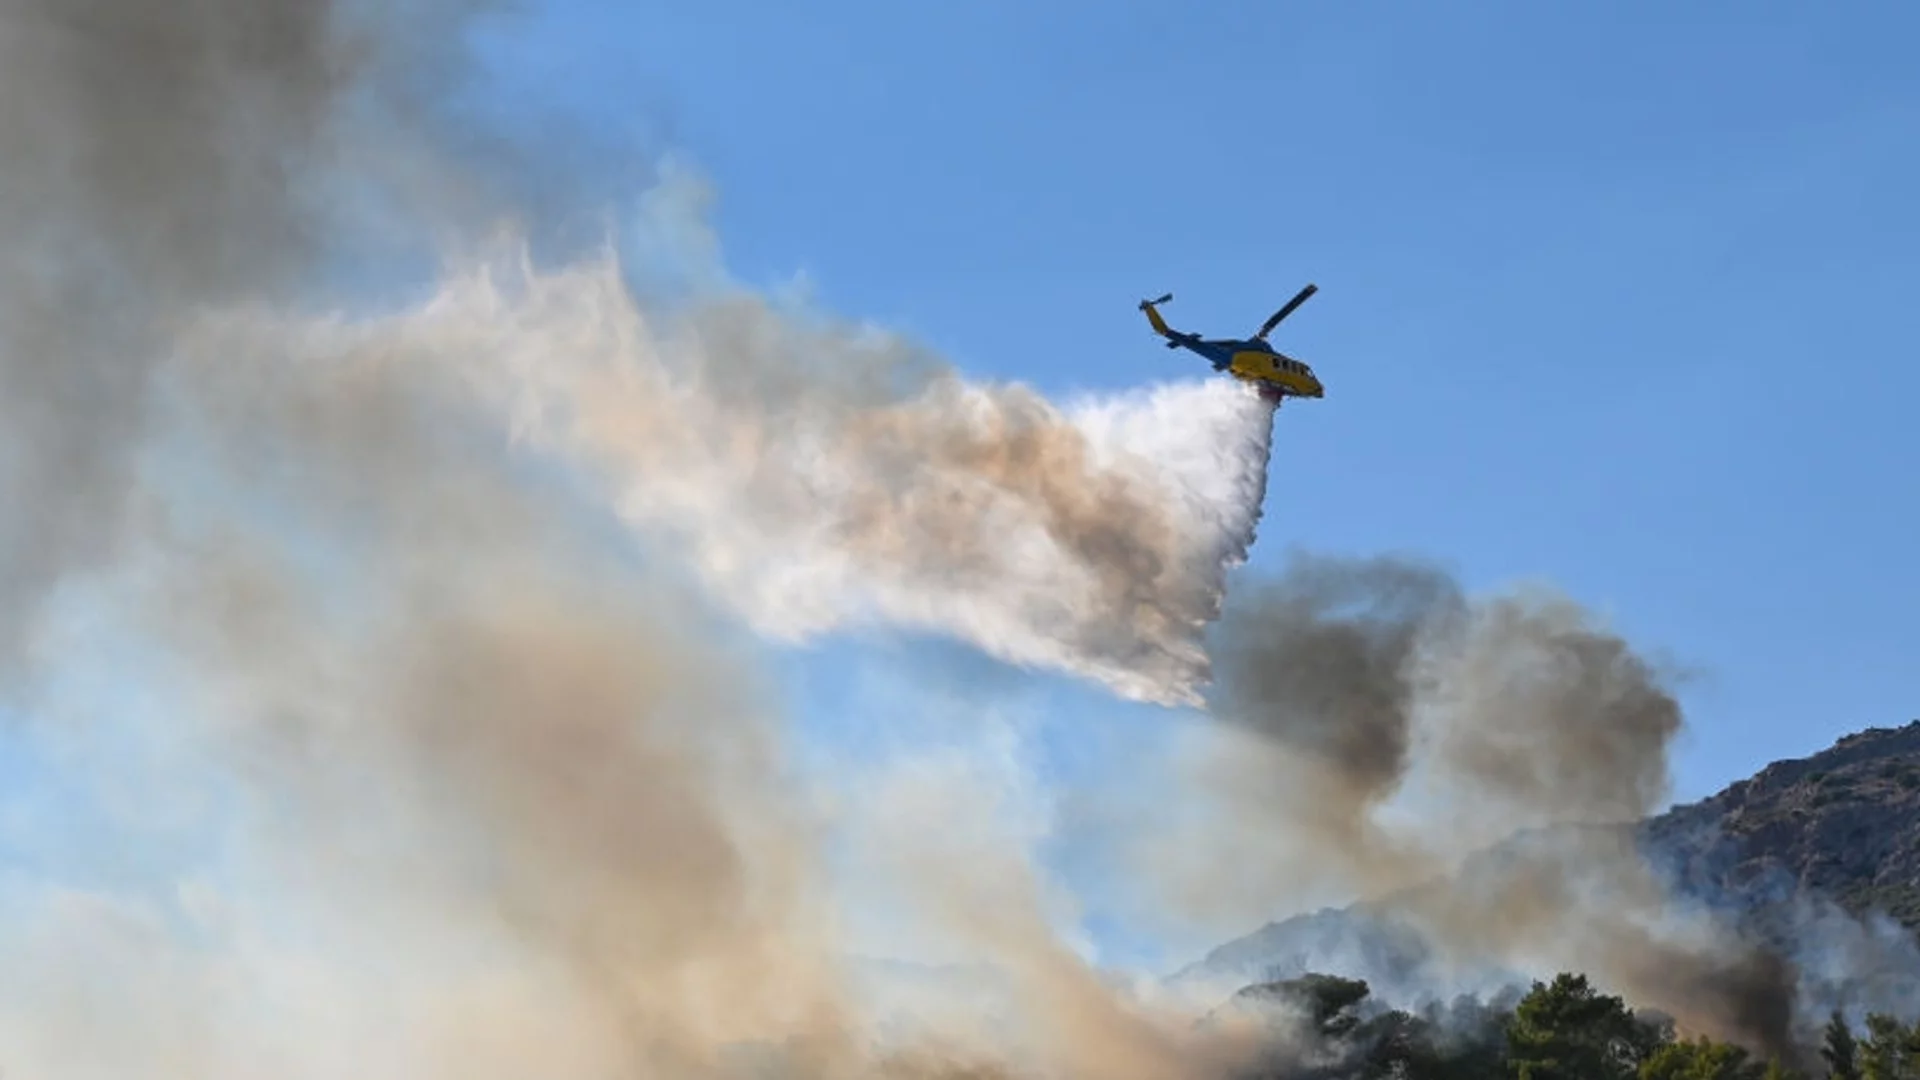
(1253, 361)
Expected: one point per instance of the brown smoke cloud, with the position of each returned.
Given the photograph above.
(459, 717)
(159, 157)
(460, 731)
(482, 798)
(1382, 727)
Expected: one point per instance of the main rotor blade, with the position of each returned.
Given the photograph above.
(1298, 299)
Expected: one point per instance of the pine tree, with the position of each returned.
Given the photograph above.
(1840, 1050)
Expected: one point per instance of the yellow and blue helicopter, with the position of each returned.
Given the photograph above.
(1276, 375)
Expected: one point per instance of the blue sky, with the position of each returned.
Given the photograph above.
(1614, 295)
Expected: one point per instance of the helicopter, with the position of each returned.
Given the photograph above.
(1276, 375)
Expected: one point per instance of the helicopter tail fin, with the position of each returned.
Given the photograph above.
(1153, 316)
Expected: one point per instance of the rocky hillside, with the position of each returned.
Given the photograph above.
(1843, 825)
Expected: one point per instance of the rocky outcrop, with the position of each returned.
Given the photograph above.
(1843, 824)
(1839, 826)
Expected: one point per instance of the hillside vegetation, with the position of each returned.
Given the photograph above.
(1839, 827)
(1566, 1029)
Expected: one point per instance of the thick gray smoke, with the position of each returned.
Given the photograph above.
(159, 157)
(1394, 727)
(431, 778)
(152, 161)
(1328, 663)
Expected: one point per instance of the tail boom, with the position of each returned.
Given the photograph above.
(1151, 307)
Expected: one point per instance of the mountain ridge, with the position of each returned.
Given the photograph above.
(1840, 826)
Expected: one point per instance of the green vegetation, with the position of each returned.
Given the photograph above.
(1567, 1030)
(1704, 1059)
(1562, 1030)
(1891, 1050)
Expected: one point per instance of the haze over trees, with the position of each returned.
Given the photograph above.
(1566, 1029)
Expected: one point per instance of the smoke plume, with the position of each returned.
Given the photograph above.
(1471, 766)
(816, 478)
(317, 607)
(398, 761)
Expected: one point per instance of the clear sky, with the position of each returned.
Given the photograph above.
(1616, 295)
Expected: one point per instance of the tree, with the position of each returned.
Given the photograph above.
(1467, 1040)
(1701, 1059)
(1891, 1050)
(1331, 1003)
(1567, 1030)
(1395, 1043)
(1562, 1030)
(1839, 1049)
(1778, 1071)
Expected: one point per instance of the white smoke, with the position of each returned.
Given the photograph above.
(818, 478)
